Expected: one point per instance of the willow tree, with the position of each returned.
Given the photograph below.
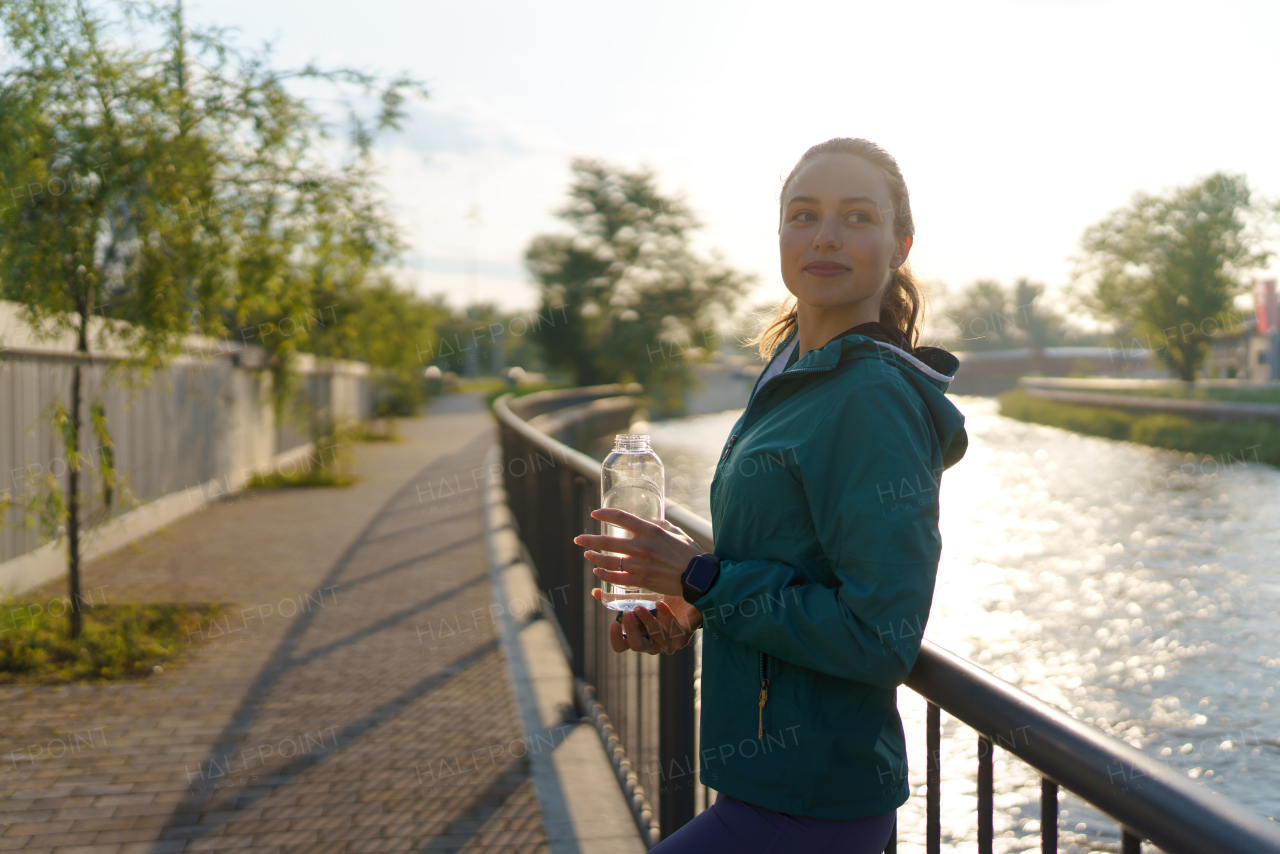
(624, 297)
(167, 189)
(1168, 266)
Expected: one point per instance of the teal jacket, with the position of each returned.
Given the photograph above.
(825, 514)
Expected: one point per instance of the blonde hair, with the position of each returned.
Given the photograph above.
(902, 305)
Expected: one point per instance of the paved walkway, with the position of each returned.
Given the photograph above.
(354, 699)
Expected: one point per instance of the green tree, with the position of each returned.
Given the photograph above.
(168, 195)
(84, 132)
(983, 318)
(1167, 266)
(989, 316)
(1041, 326)
(624, 297)
(392, 330)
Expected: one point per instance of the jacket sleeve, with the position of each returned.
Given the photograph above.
(870, 478)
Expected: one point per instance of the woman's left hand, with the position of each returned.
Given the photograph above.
(656, 554)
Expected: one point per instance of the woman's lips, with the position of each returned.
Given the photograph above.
(825, 269)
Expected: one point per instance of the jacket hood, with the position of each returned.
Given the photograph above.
(929, 370)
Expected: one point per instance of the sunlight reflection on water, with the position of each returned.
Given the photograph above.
(1132, 587)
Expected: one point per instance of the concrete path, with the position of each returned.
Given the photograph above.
(354, 699)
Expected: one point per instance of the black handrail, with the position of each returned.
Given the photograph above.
(1147, 799)
(1150, 800)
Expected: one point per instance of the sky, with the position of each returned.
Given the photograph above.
(1015, 124)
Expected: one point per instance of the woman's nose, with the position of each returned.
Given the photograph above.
(828, 236)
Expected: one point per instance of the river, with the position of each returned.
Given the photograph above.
(1136, 589)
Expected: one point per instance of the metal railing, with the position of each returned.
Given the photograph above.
(644, 705)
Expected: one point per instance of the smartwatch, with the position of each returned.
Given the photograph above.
(698, 577)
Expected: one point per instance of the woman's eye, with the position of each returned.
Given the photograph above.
(859, 216)
(802, 216)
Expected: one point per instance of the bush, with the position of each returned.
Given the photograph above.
(1250, 441)
(1164, 431)
(1094, 420)
(397, 394)
(376, 430)
(298, 479)
(519, 391)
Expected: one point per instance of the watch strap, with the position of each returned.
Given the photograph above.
(692, 591)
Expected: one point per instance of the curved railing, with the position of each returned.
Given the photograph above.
(644, 705)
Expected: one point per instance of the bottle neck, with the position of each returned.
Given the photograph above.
(631, 443)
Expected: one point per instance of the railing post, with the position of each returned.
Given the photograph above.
(568, 558)
(581, 513)
(1048, 816)
(933, 780)
(986, 795)
(676, 761)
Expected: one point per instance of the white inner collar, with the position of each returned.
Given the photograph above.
(775, 366)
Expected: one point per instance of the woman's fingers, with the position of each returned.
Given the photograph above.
(613, 562)
(616, 640)
(665, 632)
(623, 519)
(635, 634)
(673, 632)
(625, 577)
(617, 545)
(657, 632)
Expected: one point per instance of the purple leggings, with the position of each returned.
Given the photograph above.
(731, 826)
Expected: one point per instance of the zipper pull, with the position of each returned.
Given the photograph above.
(764, 698)
(728, 447)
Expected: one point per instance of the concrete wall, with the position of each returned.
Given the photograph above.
(183, 436)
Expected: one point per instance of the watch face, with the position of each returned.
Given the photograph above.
(700, 576)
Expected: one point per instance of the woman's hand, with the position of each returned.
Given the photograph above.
(669, 630)
(653, 557)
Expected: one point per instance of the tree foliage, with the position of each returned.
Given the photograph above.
(1167, 266)
(624, 297)
(990, 316)
(200, 194)
(388, 327)
(168, 182)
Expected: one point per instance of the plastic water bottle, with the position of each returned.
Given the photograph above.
(631, 479)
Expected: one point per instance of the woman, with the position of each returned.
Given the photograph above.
(825, 511)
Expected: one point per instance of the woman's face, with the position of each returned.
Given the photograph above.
(837, 244)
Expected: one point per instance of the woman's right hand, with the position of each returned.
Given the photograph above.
(669, 630)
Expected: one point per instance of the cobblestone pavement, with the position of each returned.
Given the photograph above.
(352, 699)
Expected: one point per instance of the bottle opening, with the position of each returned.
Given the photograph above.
(631, 442)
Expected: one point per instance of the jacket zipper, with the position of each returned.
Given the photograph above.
(764, 691)
(764, 659)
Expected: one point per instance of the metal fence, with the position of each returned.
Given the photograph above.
(645, 706)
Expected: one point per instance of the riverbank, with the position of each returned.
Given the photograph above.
(1251, 441)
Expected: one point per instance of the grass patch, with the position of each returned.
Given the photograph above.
(116, 642)
(485, 384)
(299, 479)
(1250, 441)
(378, 430)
